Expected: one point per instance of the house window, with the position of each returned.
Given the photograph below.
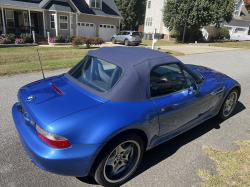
(238, 8)
(149, 4)
(149, 21)
(95, 3)
(52, 21)
(63, 22)
(9, 15)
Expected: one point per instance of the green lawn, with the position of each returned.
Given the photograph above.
(159, 43)
(18, 60)
(173, 53)
(233, 166)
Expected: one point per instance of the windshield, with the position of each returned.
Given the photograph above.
(96, 73)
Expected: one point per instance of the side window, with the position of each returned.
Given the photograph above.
(166, 79)
(190, 78)
(119, 33)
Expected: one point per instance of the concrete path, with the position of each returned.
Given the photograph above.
(192, 49)
(172, 164)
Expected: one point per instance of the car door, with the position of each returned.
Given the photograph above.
(170, 87)
(119, 36)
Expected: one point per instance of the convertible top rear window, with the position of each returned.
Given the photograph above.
(96, 73)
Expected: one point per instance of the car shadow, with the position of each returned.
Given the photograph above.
(165, 150)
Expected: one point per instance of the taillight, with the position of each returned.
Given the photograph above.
(52, 139)
(56, 89)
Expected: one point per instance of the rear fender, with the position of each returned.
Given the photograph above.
(99, 124)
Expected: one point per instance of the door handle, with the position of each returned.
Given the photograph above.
(168, 108)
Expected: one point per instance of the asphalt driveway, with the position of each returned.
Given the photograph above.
(174, 163)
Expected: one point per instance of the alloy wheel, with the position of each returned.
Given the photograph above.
(230, 104)
(122, 161)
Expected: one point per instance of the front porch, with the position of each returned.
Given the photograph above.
(18, 21)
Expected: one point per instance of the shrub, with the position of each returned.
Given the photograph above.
(198, 36)
(214, 32)
(89, 40)
(224, 32)
(60, 39)
(174, 33)
(52, 40)
(70, 38)
(19, 41)
(11, 37)
(4, 40)
(26, 37)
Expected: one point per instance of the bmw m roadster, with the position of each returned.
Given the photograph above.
(115, 104)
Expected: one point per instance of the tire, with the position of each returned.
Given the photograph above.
(228, 105)
(110, 168)
(113, 41)
(137, 44)
(126, 42)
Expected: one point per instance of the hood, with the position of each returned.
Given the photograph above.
(49, 105)
(207, 73)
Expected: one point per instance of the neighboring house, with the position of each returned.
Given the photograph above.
(241, 19)
(240, 22)
(60, 17)
(154, 18)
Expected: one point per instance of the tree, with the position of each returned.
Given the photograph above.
(132, 11)
(247, 4)
(127, 10)
(201, 13)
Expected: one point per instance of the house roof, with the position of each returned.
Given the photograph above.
(109, 8)
(59, 6)
(22, 3)
(244, 15)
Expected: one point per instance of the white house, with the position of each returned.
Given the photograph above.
(154, 18)
(241, 19)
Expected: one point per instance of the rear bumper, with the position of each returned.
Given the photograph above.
(73, 161)
(136, 42)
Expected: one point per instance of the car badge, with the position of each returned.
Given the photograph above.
(30, 98)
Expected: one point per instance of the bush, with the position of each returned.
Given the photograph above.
(19, 41)
(198, 36)
(89, 40)
(59, 39)
(70, 38)
(4, 40)
(224, 32)
(174, 33)
(11, 37)
(214, 32)
(52, 40)
(26, 37)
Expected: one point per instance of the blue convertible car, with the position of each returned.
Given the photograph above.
(115, 104)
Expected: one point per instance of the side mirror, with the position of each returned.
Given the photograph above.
(195, 88)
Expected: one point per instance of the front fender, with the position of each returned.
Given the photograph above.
(99, 124)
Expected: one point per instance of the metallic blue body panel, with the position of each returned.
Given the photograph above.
(73, 161)
(89, 121)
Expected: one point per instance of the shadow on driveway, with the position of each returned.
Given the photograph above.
(165, 150)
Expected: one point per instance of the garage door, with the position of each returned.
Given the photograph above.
(86, 29)
(241, 30)
(107, 31)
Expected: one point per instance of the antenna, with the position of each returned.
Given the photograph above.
(40, 63)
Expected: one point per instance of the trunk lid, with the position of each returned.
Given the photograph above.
(49, 105)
